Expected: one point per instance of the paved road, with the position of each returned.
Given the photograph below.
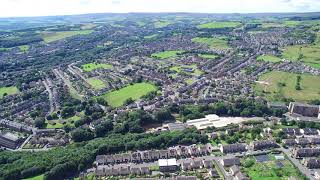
(296, 162)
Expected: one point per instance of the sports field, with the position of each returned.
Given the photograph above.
(55, 36)
(277, 85)
(219, 25)
(217, 43)
(166, 54)
(268, 58)
(135, 91)
(96, 83)
(8, 90)
(208, 56)
(92, 66)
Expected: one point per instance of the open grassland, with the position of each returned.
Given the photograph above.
(166, 54)
(277, 85)
(151, 36)
(135, 91)
(40, 177)
(8, 91)
(96, 83)
(24, 48)
(216, 43)
(268, 58)
(308, 54)
(218, 25)
(55, 36)
(208, 56)
(180, 69)
(92, 66)
(161, 24)
(270, 169)
(58, 124)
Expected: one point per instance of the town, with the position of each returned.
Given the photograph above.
(161, 96)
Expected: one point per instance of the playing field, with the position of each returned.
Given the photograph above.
(277, 85)
(96, 83)
(54, 36)
(135, 91)
(92, 66)
(166, 54)
(218, 25)
(268, 58)
(216, 43)
(208, 56)
(8, 90)
(179, 69)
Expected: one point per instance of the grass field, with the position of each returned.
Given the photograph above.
(208, 56)
(92, 66)
(55, 36)
(278, 85)
(24, 48)
(268, 58)
(269, 170)
(179, 69)
(151, 36)
(218, 25)
(161, 24)
(40, 177)
(166, 54)
(217, 43)
(96, 83)
(135, 91)
(8, 90)
(189, 81)
(308, 54)
(58, 124)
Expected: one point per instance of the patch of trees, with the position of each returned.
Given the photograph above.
(8, 43)
(298, 86)
(69, 160)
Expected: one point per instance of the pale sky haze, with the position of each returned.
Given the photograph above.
(13, 8)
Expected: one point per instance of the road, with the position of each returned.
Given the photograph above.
(50, 96)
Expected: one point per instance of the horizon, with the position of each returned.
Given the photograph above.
(45, 8)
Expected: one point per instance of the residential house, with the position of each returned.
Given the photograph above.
(265, 144)
(233, 148)
(230, 161)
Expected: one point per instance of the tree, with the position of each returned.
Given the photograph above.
(103, 128)
(80, 135)
(39, 122)
(128, 101)
(163, 115)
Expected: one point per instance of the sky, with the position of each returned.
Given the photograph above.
(18, 8)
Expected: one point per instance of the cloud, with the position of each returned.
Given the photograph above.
(66, 7)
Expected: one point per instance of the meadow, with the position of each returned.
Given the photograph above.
(58, 124)
(179, 69)
(151, 36)
(135, 91)
(49, 37)
(218, 25)
(208, 56)
(92, 66)
(278, 86)
(217, 43)
(96, 83)
(166, 54)
(8, 90)
(269, 58)
(161, 24)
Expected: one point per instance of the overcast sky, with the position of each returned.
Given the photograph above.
(9, 8)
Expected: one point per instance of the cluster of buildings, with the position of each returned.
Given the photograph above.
(242, 147)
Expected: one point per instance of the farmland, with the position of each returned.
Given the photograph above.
(166, 54)
(218, 43)
(8, 91)
(218, 25)
(49, 37)
(135, 91)
(92, 66)
(277, 86)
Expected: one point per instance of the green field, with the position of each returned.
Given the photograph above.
(8, 90)
(92, 66)
(208, 56)
(308, 54)
(269, 171)
(166, 54)
(58, 124)
(24, 48)
(179, 69)
(96, 83)
(189, 81)
(218, 25)
(55, 36)
(40, 177)
(278, 85)
(268, 58)
(161, 24)
(151, 36)
(216, 43)
(135, 91)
